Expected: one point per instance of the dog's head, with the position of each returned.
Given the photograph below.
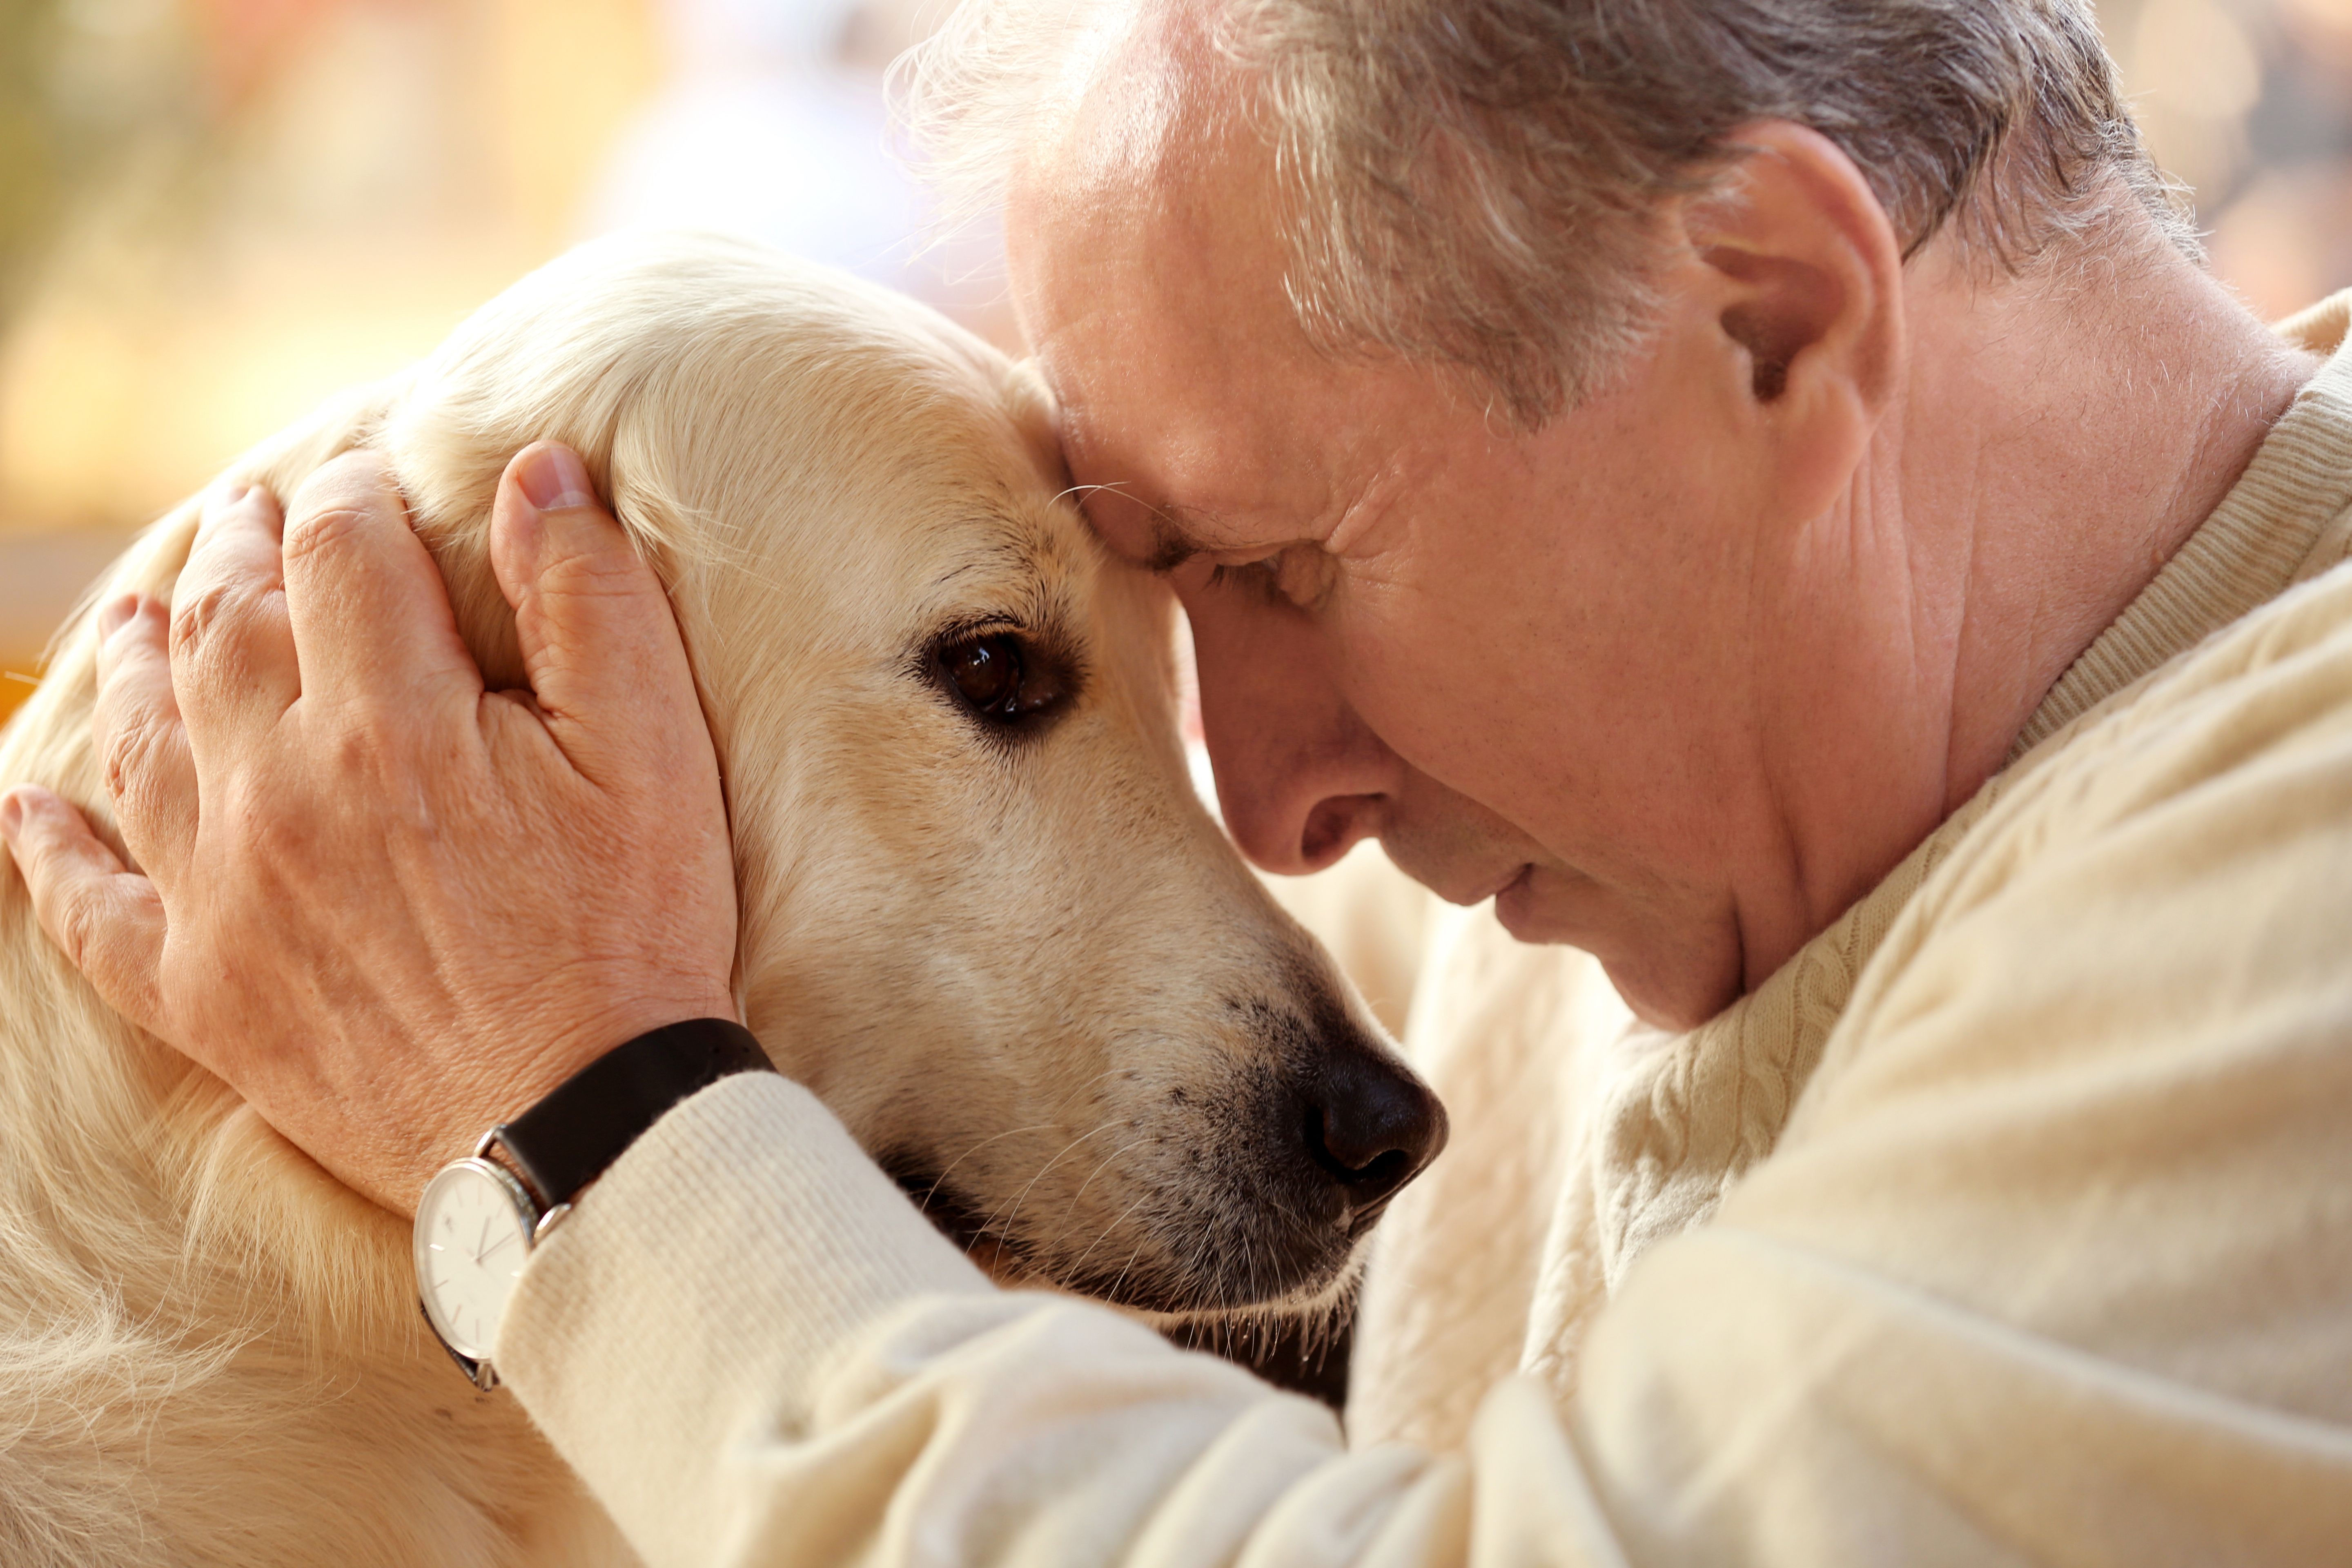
(983, 915)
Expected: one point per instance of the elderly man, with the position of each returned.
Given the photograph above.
(1763, 491)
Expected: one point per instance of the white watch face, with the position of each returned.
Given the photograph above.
(473, 1233)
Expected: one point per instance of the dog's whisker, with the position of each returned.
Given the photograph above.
(1068, 491)
(1105, 1235)
(1079, 1197)
(1022, 1196)
(1112, 1294)
(941, 1180)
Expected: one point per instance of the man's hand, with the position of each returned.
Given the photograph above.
(388, 907)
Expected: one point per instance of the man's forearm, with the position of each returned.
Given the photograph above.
(756, 1351)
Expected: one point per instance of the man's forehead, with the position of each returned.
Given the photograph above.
(1147, 275)
(1122, 228)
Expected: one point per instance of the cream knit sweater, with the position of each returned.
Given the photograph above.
(2011, 1221)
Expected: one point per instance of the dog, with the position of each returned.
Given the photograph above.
(983, 916)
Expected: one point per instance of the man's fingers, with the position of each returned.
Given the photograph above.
(232, 655)
(108, 921)
(371, 615)
(600, 644)
(140, 741)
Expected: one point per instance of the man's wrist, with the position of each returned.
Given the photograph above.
(567, 1138)
(553, 1151)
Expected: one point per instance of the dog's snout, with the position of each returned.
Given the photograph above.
(1314, 1133)
(1371, 1126)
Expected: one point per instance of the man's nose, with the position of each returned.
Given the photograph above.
(1300, 776)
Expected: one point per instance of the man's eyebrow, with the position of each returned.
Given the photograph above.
(1171, 547)
(1172, 544)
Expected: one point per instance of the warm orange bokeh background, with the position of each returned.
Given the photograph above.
(338, 182)
(376, 170)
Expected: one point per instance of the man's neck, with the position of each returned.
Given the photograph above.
(2080, 431)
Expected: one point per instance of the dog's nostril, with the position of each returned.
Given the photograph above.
(1385, 1172)
(1372, 1127)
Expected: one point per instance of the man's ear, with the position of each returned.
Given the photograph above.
(1808, 284)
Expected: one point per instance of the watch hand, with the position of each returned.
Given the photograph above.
(484, 1240)
(501, 1241)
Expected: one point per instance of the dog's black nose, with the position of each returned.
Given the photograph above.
(1371, 1126)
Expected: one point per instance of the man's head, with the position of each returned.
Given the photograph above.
(1504, 386)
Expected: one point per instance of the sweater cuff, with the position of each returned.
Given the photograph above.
(704, 1284)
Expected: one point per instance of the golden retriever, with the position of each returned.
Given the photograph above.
(983, 915)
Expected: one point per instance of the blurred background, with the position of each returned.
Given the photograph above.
(213, 211)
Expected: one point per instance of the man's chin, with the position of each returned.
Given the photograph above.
(1676, 990)
(1544, 906)
(1524, 912)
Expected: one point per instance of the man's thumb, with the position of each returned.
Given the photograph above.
(600, 644)
(108, 920)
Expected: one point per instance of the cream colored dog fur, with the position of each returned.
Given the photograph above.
(1020, 961)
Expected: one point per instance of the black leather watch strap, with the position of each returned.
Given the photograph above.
(564, 1141)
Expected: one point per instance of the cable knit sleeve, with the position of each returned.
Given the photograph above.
(756, 1351)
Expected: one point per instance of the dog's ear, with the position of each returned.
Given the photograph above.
(449, 471)
(450, 444)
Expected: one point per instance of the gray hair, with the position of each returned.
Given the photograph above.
(1473, 183)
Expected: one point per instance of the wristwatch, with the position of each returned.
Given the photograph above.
(478, 1221)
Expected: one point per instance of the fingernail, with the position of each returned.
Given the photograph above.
(12, 815)
(222, 497)
(116, 615)
(553, 479)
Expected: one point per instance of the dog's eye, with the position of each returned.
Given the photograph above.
(1002, 679)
